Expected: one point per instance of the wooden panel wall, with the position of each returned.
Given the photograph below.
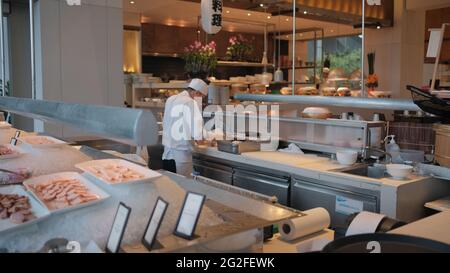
(435, 19)
(172, 39)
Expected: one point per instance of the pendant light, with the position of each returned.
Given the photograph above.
(264, 58)
(278, 77)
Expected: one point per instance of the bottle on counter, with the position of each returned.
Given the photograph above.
(393, 149)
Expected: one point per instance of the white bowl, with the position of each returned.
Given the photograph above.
(399, 171)
(347, 157)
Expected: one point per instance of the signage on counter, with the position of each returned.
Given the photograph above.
(154, 223)
(211, 11)
(118, 228)
(190, 213)
(348, 206)
(13, 141)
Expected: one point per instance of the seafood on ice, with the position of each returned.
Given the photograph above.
(62, 193)
(5, 150)
(16, 208)
(115, 173)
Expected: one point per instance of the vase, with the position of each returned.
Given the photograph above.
(202, 75)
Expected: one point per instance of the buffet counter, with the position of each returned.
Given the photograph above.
(227, 216)
(403, 200)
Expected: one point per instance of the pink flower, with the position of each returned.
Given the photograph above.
(212, 45)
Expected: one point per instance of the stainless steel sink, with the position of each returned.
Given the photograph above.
(365, 170)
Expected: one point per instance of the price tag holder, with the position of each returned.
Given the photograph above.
(118, 229)
(190, 213)
(13, 141)
(17, 134)
(156, 218)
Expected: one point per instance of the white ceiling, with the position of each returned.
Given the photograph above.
(181, 13)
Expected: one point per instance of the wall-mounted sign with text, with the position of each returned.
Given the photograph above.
(73, 2)
(374, 2)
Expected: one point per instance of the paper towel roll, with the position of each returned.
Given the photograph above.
(364, 223)
(314, 221)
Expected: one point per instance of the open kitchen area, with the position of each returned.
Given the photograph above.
(225, 126)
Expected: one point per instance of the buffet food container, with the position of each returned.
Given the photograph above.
(442, 153)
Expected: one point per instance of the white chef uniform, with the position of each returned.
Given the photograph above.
(183, 123)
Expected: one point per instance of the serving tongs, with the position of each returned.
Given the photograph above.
(11, 172)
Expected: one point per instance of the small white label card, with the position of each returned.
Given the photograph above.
(189, 215)
(13, 141)
(118, 228)
(348, 206)
(154, 223)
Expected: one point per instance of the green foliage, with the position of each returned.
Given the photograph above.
(349, 61)
(239, 49)
(200, 58)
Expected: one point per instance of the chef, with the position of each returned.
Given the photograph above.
(182, 126)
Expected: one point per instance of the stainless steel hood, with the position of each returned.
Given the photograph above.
(130, 126)
(362, 103)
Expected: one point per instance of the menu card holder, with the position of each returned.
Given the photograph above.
(118, 228)
(13, 141)
(189, 215)
(149, 239)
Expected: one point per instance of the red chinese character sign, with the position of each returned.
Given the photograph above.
(211, 16)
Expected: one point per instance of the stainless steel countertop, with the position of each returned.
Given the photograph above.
(239, 214)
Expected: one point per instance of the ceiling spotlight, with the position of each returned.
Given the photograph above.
(249, 14)
(261, 5)
(132, 2)
(378, 27)
(305, 12)
(268, 17)
(287, 19)
(227, 11)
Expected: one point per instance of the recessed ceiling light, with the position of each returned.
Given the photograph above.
(248, 14)
(261, 5)
(331, 30)
(227, 11)
(287, 19)
(268, 17)
(305, 12)
(132, 2)
(378, 27)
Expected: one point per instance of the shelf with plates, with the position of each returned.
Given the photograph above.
(300, 67)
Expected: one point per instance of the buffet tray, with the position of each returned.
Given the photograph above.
(238, 147)
(56, 142)
(61, 176)
(37, 209)
(18, 152)
(88, 166)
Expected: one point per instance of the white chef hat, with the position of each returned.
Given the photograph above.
(199, 85)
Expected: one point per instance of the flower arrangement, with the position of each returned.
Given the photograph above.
(372, 79)
(200, 59)
(239, 49)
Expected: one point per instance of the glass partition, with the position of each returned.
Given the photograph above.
(326, 49)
